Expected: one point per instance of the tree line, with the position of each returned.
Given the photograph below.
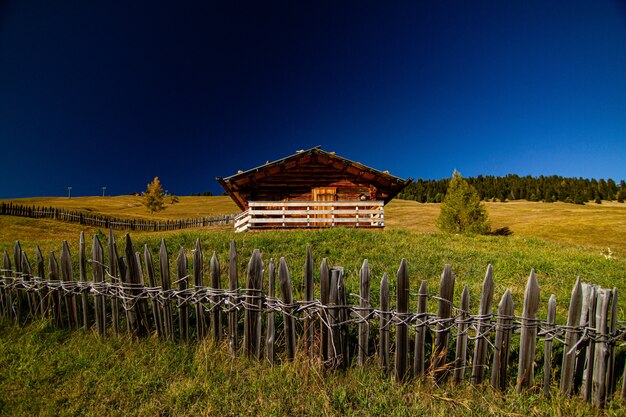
(514, 187)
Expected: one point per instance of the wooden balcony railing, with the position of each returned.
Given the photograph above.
(310, 214)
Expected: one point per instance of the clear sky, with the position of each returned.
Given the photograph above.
(108, 93)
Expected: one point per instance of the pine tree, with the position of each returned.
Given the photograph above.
(461, 210)
(153, 196)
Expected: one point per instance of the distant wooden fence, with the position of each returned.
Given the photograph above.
(128, 293)
(107, 222)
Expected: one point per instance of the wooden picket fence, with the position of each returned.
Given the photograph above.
(109, 222)
(137, 294)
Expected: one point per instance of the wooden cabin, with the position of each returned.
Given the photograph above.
(311, 189)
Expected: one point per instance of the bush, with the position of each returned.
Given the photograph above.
(461, 210)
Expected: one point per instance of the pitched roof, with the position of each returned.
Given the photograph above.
(385, 179)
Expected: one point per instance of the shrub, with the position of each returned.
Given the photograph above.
(461, 210)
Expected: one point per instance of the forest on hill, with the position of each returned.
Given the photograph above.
(514, 187)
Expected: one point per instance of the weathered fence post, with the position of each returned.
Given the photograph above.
(601, 354)
(383, 350)
(27, 278)
(17, 259)
(420, 332)
(233, 284)
(115, 280)
(528, 338)
(42, 291)
(7, 298)
(571, 334)
(324, 314)
(342, 316)
(504, 330)
(133, 277)
(461, 338)
(610, 375)
(270, 331)
(364, 304)
(588, 360)
(308, 296)
(288, 320)
(67, 274)
(547, 346)
(402, 336)
(82, 264)
(216, 309)
(183, 312)
(254, 303)
(97, 272)
(439, 367)
(484, 313)
(156, 311)
(198, 278)
(53, 270)
(168, 319)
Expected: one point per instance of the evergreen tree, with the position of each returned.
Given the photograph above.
(153, 196)
(461, 210)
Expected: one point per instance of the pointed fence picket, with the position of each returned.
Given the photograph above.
(589, 366)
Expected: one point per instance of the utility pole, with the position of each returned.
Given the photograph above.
(103, 190)
(69, 192)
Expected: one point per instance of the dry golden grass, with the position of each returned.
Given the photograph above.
(131, 207)
(602, 225)
(592, 224)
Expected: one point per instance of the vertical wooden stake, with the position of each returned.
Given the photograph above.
(233, 285)
(164, 265)
(528, 338)
(504, 330)
(82, 264)
(461, 339)
(610, 374)
(67, 274)
(402, 336)
(547, 349)
(113, 273)
(324, 314)
(17, 258)
(53, 270)
(364, 303)
(43, 292)
(216, 308)
(569, 355)
(586, 388)
(97, 272)
(254, 303)
(439, 366)
(7, 299)
(198, 278)
(484, 311)
(308, 296)
(289, 322)
(602, 351)
(420, 333)
(270, 331)
(183, 308)
(383, 350)
(156, 310)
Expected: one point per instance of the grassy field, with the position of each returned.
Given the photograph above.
(49, 371)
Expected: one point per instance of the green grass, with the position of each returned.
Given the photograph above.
(46, 371)
(49, 372)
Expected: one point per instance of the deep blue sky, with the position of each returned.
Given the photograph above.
(101, 93)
